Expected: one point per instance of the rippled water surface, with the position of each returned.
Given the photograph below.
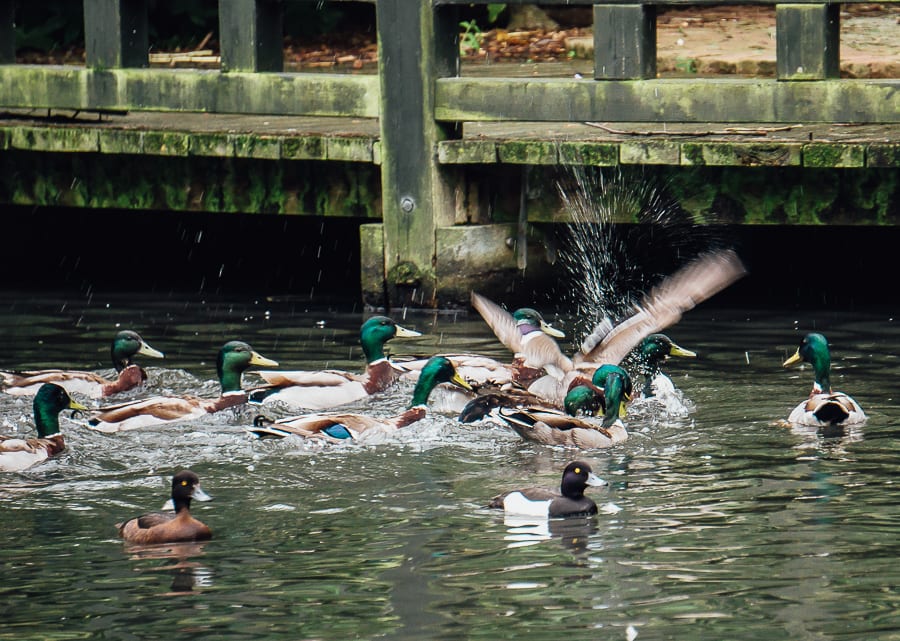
(717, 524)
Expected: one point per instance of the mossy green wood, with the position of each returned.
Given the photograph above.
(53, 87)
(251, 34)
(807, 41)
(115, 33)
(416, 43)
(667, 100)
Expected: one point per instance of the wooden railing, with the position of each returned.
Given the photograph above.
(421, 99)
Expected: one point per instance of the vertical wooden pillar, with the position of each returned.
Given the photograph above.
(251, 34)
(7, 35)
(624, 41)
(115, 33)
(807, 41)
(416, 44)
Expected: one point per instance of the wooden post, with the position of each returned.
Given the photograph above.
(624, 41)
(250, 35)
(115, 33)
(416, 44)
(7, 35)
(807, 41)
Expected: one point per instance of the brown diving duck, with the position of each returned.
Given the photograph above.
(170, 527)
(824, 407)
(546, 503)
(126, 344)
(660, 308)
(233, 359)
(18, 454)
(337, 427)
(608, 393)
(329, 388)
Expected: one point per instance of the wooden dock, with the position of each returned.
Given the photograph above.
(441, 168)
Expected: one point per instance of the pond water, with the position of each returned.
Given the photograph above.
(716, 524)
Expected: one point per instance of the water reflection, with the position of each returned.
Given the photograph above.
(187, 576)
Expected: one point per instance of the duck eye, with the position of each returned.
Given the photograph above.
(184, 483)
(578, 470)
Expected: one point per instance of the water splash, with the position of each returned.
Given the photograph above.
(625, 233)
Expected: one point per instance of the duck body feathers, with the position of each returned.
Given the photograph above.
(159, 410)
(552, 427)
(163, 527)
(821, 410)
(569, 500)
(75, 382)
(17, 454)
(318, 390)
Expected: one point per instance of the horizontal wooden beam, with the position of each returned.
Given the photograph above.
(77, 88)
(669, 100)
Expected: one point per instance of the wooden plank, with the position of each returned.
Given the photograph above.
(528, 152)
(834, 154)
(649, 152)
(463, 152)
(416, 195)
(669, 100)
(624, 41)
(60, 87)
(883, 155)
(728, 154)
(595, 154)
(251, 34)
(115, 33)
(807, 41)
(7, 34)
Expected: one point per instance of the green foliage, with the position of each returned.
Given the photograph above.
(494, 10)
(471, 37)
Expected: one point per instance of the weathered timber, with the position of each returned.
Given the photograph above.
(668, 100)
(415, 45)
(162, 182)
(807, 41)
(624, 41)
(7, 34)
(251, 32)
(115, 33)
(58, 87)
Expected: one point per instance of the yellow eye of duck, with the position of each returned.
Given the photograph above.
(578, 470)
(183, 483)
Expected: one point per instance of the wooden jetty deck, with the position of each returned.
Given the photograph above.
(434, 162)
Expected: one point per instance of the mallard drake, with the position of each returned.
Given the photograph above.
(546, 503)
(170, 527)
(609, 392)
(17, 454)
(660, 308)
(126, 344)
(329, 388)
(649, 356)
(233, 359)
(824, 406)
(336, 427)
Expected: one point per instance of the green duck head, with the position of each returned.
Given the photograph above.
(530, 320)
(617, 390)
(652, 352)
(377, 331)
(814, 350)
(233, 359)
(437, 370)
(50, 400)
(186, 486)
(127, 344)
(582, 399)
